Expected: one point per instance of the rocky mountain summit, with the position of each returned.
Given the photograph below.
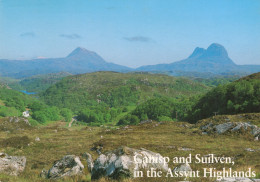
(214, 59)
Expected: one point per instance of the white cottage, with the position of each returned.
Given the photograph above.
(26, 114)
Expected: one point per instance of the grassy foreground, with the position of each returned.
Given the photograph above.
(167, 138)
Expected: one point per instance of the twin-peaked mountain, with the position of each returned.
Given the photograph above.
(214, 60)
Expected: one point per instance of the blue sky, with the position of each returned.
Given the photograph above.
(129, 32)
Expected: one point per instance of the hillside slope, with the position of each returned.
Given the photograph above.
(117, 89)
(241, 96)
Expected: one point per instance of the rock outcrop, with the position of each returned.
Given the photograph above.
(89, 160)
(69, 165)
(231, 127)
(10, 124)
(182, 167)
(19, 119)
(236, 180)
(12, 165)
(123, 161)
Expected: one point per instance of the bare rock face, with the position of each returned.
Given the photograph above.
(12, 165)
(123, 161)
(69, 165)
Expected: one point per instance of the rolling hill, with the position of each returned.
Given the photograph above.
(117, 89)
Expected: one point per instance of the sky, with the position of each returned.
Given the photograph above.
(129, 32)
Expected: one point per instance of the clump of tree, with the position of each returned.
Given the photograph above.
(242, 96)
(98, 114)
(129, 120)
(42, 112)
(67, 114)
(159, 109)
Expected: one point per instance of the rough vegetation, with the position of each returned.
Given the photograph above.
(150, 107)
(167, 138)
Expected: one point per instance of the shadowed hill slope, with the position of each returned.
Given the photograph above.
(241, 96)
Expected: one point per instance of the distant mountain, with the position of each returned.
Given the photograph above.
(78, 61)
(214, 59)
(211, 61)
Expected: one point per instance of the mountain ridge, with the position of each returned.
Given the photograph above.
(214, 60)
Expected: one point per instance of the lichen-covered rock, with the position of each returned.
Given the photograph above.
(89, 160)
(182, 167)
(11, 124)
(235, 180)
(69, 165)
(231, 127)
(206, 127)
(12, 165)
(222, 128)
(19, 119)
(123, 161)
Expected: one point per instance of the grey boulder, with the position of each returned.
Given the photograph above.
(235, 180)
(122, 162)
(182, 167)
(69, 165)
(12, 165)
(89, 160)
